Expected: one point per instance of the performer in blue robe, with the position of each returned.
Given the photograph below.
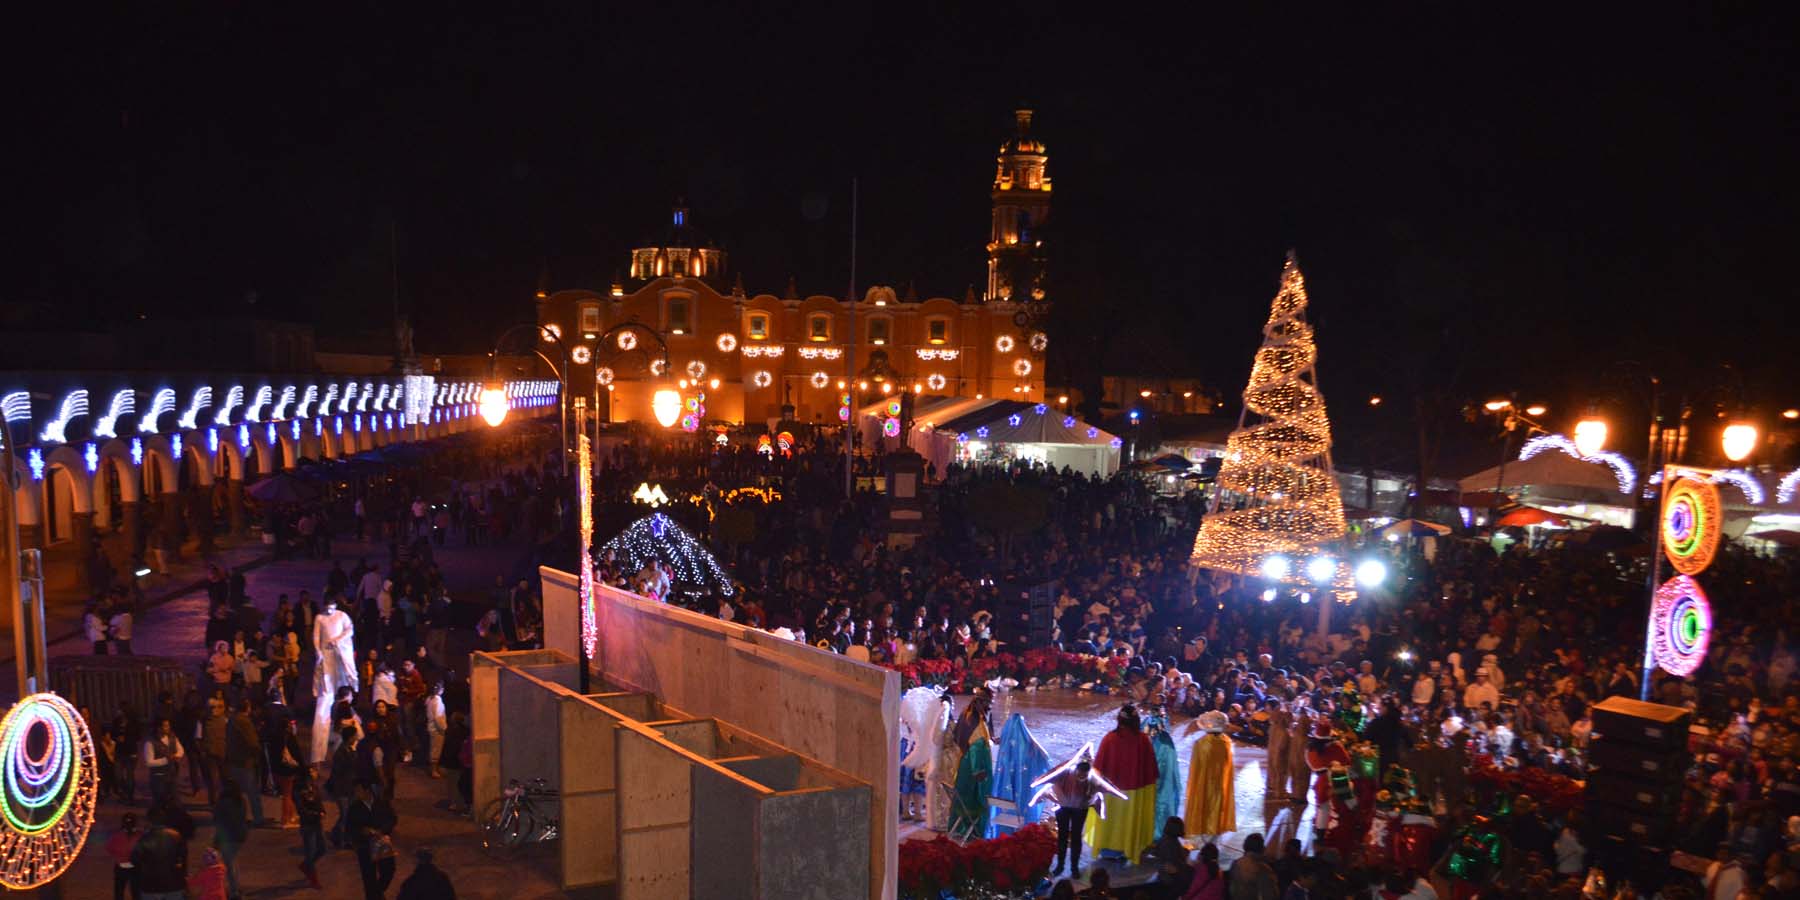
(1168, 782)
(1018, 762)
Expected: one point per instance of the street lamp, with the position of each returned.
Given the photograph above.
(666, 404)
(1590, 435)
(493, 404)
(1738, 440)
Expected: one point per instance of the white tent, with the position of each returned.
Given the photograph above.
(1012, 429)
(1560, 483)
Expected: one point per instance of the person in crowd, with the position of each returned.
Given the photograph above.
(119, 848)
(427, 881)
(231, 828)
(309, 808)
(162, 757)
(370, 828)
(160, 860)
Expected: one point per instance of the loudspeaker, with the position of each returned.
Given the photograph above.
(1645, 724)
(1655, 797)
(1609, 754)
(1638, 755)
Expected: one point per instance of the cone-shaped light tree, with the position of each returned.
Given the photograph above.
(1276, 512)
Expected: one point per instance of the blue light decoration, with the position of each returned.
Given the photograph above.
(294, 429)
(962, 437)
(269, 429)
(1040, 409)
(337, 425)
(1134, 415)
(243, 437)
(1014, 420)
(1068, 421)
(91, 455)
(387, 421)
(356, 423)
(212, 441)
(35, 459)
(318, 427)
(175, 445)
(981, 432)
(137, 451)
(1117, 443)
(1093, 433)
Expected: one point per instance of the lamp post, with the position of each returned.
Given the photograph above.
(1511, 417)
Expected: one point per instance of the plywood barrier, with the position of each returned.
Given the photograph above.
(839, 712)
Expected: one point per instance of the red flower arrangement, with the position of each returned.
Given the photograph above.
(1554, 794)
(1010, 862)
(1044, 664)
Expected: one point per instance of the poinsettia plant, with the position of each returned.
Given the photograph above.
(1013, 862)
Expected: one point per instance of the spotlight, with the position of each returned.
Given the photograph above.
(1275, 568)
(1305, 597)
(1321, 569)
(1371, 573)
(1269, 595)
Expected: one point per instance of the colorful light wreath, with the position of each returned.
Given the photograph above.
(1004, 343)
(936, 382)
(581, 354)
(762, 379)
(727, 342)
(48, 782)
(1021, 367)
(893, 407)
(1691, 522)
(820, 379)
(890, 427)
(627, 340)
(690, 423)
(1681, 626)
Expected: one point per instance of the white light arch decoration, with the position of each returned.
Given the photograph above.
(362, 403)
(1784, 492)
(1622, 470)
(190, 417)
(727, 342)
(820, 379)
(762, 379)
(234, 398)
(1745, 482)
(307, 399)
(381, 398)
(123, 403)
(349, 397)
(282, 404)
(253, 412)
(74, 403)
(16, 406)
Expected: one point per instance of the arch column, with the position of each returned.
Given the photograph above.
(28, 510)
(81, 511)
(199, 492)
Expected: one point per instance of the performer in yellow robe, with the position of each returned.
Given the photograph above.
(1211, 803)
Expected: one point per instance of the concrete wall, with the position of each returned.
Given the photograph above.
(796, 862)
(842, 713)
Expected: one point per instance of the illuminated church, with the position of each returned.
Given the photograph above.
(754, 354)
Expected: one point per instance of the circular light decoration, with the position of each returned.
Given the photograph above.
(1690, 524)
(48, 782)
(762, 379)
(785, 440)
(604, 375)
(627, 340)
(551, 334)
(690, 423)
(727, 342)
(581, 354)
(1039, 341)
(890, 427)
(1004, 343)
(820, 379)
(1680, 625)
(1021, 367)
(696, 370)
(936, 382)
(893, 407)
(762, 444)
(659, 366)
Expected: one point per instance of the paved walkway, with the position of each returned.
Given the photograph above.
(269, 861)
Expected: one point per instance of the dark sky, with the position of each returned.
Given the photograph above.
(1483, 197)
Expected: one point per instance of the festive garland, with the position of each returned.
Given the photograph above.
(1002, 865)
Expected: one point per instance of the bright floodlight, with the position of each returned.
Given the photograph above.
(1320, 569)
(1371, 573)
(1305, 597)
(1739, 439)
(1269, 595)
(666, 404)
(493, 405)
(1275, 568)
(1590, 436)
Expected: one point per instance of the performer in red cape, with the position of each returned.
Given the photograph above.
(1127, 761)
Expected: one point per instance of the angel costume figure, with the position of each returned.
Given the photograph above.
(974, 777)
(1075, 787)
(924, 720)
(332, 640)
(1019, 761)
(1211, 803)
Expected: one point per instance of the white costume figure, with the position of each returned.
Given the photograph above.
(334, 667)
(925, 721)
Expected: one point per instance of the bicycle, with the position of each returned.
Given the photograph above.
(512, 820)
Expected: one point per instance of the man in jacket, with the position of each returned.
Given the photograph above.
(243, 748)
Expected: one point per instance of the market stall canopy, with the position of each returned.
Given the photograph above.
(1414, 528)
(1174, 462)
(1031, 429)
(1529, 515)
(1551, 472)
(1605, 537)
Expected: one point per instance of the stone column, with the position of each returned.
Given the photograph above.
(172, 524)
(131, 528)
(200, 501)
(234, 498)
(85, 549)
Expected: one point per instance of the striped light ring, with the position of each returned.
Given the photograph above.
(1691, 523)
(48, 782)
(1681, 626)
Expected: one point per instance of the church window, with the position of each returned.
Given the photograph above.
(590, 318)
(878, 330)
(759, 327)
(819, 327)
(678, 315)
(937, 331)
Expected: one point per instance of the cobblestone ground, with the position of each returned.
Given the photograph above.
(269, 861)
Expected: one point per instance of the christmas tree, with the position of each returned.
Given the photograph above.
(1276, 507)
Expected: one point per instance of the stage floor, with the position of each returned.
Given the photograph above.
(1062, 720)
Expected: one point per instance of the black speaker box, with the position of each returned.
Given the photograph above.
(1660, 798)
(1623, 758)
(1647, 724)
(1647, 828)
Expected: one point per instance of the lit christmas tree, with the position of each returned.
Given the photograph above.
(1277, 509)
(656, 538)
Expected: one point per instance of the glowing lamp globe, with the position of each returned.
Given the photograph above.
(1275, 568)
(1590, 436)
(1320, 569)
(1739, 439)
(666, 404)
(1371, 573)
(493, 406)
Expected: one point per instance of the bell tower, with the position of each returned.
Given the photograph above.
(1021, 198)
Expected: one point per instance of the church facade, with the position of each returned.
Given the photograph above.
(763, 357)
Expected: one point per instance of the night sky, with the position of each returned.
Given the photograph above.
(1483, 199)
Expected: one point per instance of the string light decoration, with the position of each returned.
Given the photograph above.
(821, 352)
(604, 375)
(1004, 343)
(49, 779)
(627, 340)
(769, 350)
(1021, 367)
(820, 379)
(890, 427)
(584, 498)
(1039, 342)
(928, 354)
(1690, 524)
(727, 342)
(1681, 626)
(656, 538)
(1622, 470)
(936, 382)
(1743, 481)
(762, 379)
(1790, 483)
(1278, 461)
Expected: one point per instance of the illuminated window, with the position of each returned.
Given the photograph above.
(819, 327)
(937, 330)
(878, 330)
(759, 327)
(678, 316)
(590, 317)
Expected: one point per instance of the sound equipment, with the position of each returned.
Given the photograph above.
(1638, 754)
